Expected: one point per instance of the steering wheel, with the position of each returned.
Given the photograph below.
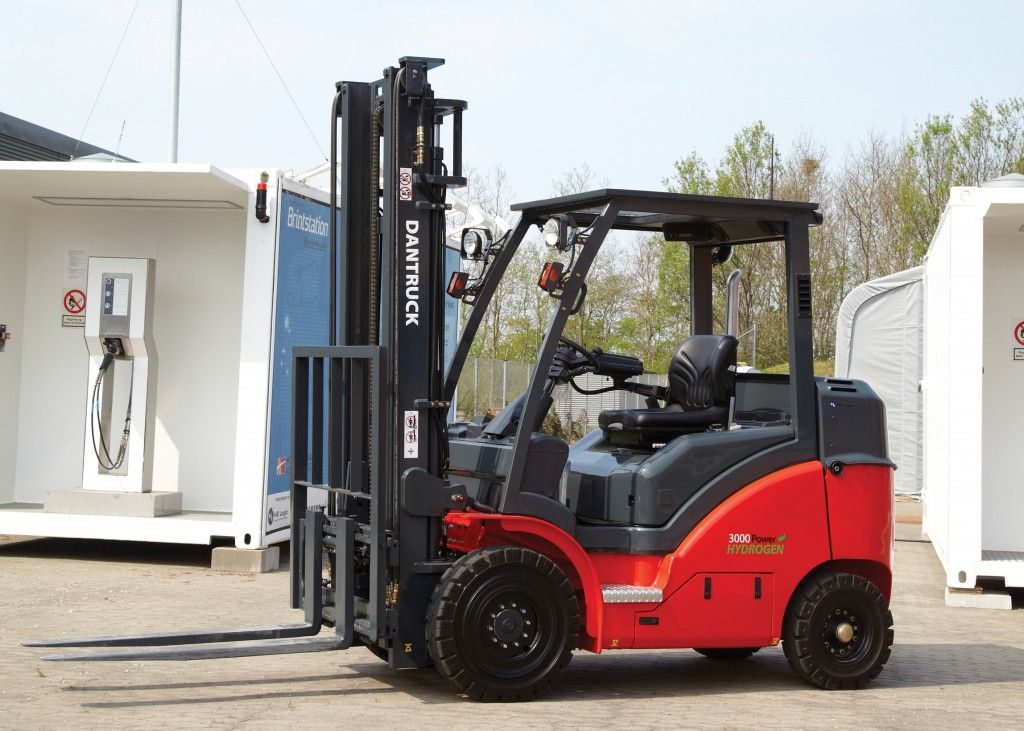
(587, 355)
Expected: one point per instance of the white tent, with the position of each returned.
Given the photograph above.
(879, 339)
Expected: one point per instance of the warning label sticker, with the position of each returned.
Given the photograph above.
(74, 301)
(405, 184)
(72, 320)
(411, 438)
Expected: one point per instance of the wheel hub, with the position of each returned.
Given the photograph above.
(842, 635)
(508, 625)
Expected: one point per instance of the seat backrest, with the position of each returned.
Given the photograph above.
(699, 375)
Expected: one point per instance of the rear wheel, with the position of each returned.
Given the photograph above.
(502, 624)
(837, 632)
(726, 653)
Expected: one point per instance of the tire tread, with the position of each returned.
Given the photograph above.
(797, 646)
(441, 625)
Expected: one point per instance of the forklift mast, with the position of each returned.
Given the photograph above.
(382, 405)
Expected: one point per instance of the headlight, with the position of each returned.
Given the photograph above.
(475, 243)
(556, 232)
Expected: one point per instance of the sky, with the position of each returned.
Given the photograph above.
(626, 87)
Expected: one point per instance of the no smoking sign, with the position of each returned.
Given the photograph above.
(74, 301)
(73, 308)
(1018, 333)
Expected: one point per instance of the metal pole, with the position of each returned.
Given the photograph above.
(172, 152)
(504, 383)
(753, 356)
(476, 386)
(732, 305)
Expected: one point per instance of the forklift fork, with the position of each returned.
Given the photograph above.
(279, 640)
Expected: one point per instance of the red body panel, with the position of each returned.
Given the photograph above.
(860, 507)
(468, 531)
(729, 581)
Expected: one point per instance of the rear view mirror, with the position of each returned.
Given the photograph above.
(721, 254)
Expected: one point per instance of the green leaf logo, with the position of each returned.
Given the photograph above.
(782, 538)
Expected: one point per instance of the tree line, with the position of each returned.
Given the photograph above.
(881, 200)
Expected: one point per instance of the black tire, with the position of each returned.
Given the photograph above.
(726, 653)
(824, 609)
(540, 622)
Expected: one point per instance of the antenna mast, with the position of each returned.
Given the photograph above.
(172, 152)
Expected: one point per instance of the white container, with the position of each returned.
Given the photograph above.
(973, 386)
(215, 308)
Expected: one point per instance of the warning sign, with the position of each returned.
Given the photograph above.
(1018, 332)
(74, 301)
(405, 184)
(412, 435)
(72, 320)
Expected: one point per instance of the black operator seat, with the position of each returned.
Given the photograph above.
(701, 381)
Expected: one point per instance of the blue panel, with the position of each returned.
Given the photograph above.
(301, 317)
(452, 263)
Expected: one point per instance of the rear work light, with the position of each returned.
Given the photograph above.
(551, 276)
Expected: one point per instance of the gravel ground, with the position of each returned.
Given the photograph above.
(950, 667)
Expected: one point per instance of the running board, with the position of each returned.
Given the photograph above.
(208, 651)
(626, 594)
(185, 638)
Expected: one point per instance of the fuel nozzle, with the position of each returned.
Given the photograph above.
(112, 348)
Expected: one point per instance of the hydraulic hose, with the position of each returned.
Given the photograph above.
(101, 450)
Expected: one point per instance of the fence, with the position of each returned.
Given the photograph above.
(488, 385)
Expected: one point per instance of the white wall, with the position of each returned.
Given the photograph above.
(12, 305)
(1003, 395)
(197, 320)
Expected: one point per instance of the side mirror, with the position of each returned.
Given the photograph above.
(476, 242)
(721, 254)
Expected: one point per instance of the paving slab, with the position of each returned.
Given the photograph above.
(949, 668)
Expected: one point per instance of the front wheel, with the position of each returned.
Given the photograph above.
(502, 624)
(837, 633)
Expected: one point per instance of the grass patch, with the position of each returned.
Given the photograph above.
(821, 368)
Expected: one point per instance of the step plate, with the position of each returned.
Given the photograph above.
(626, 594)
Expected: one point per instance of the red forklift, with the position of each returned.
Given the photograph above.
(734, 511)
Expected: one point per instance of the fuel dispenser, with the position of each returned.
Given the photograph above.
(122, 375)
